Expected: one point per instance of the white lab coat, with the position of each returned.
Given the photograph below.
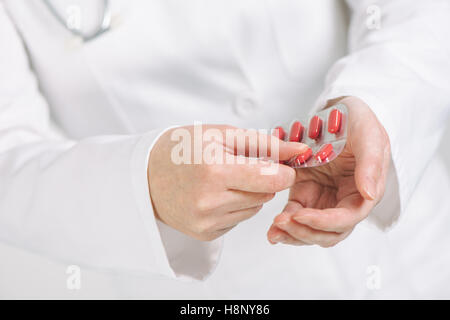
(77, 123)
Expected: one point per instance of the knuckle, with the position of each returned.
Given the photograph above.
(203, 203)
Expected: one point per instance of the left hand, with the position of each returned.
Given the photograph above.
(327, 202)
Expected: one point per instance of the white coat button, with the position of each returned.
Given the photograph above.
(246, 104)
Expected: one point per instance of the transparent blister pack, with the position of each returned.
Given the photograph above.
(325, 133)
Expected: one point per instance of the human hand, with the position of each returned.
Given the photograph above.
(327, 202)
(207, 200)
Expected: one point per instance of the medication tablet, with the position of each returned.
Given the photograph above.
(296, 132)
(326, 136)
(303, 157)
(334, 121)
(279, 133)
(315, 127)
(324, 152)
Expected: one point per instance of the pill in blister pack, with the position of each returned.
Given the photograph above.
(325, 133)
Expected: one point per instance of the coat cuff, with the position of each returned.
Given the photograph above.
(176, 255)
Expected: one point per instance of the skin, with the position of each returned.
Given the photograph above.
(205, 201)
(326, 203)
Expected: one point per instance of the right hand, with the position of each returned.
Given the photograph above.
(205, 201)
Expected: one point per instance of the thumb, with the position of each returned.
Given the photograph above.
(253, 143)
(369, 150)
(288, 150)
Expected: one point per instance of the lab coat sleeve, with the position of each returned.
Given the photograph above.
(401, 70)
(81, 202)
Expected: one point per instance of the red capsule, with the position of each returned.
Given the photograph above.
(296, 134)
(315, 127)
(324, 152)
(303, 157)
(279, 133)
(334, 121)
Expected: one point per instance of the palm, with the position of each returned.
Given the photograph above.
(326, 186)
(327, 202)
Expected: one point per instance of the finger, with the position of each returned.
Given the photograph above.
(276, 235)
(294, 242)
(368, 144)
(286, 149)
(214, 226)
(307, 234)
(384, 173)
(285, 222)
(349, 212)
(219, 233)
(235, 200)
(309, 194)
(233, 218)
(259, 176)
(251, 143)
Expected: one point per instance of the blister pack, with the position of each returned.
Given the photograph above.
(325, 133)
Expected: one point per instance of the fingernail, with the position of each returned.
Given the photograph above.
(299, 218)
(282, 223)
(303, 217)
(279, 238)
(371, 189)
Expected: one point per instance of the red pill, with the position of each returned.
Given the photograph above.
(334, 121)
(324, 152)
(279, 133)
(303, 157)
(315, 127)
(296, 134)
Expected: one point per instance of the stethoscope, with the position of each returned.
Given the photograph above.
(104, 26)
